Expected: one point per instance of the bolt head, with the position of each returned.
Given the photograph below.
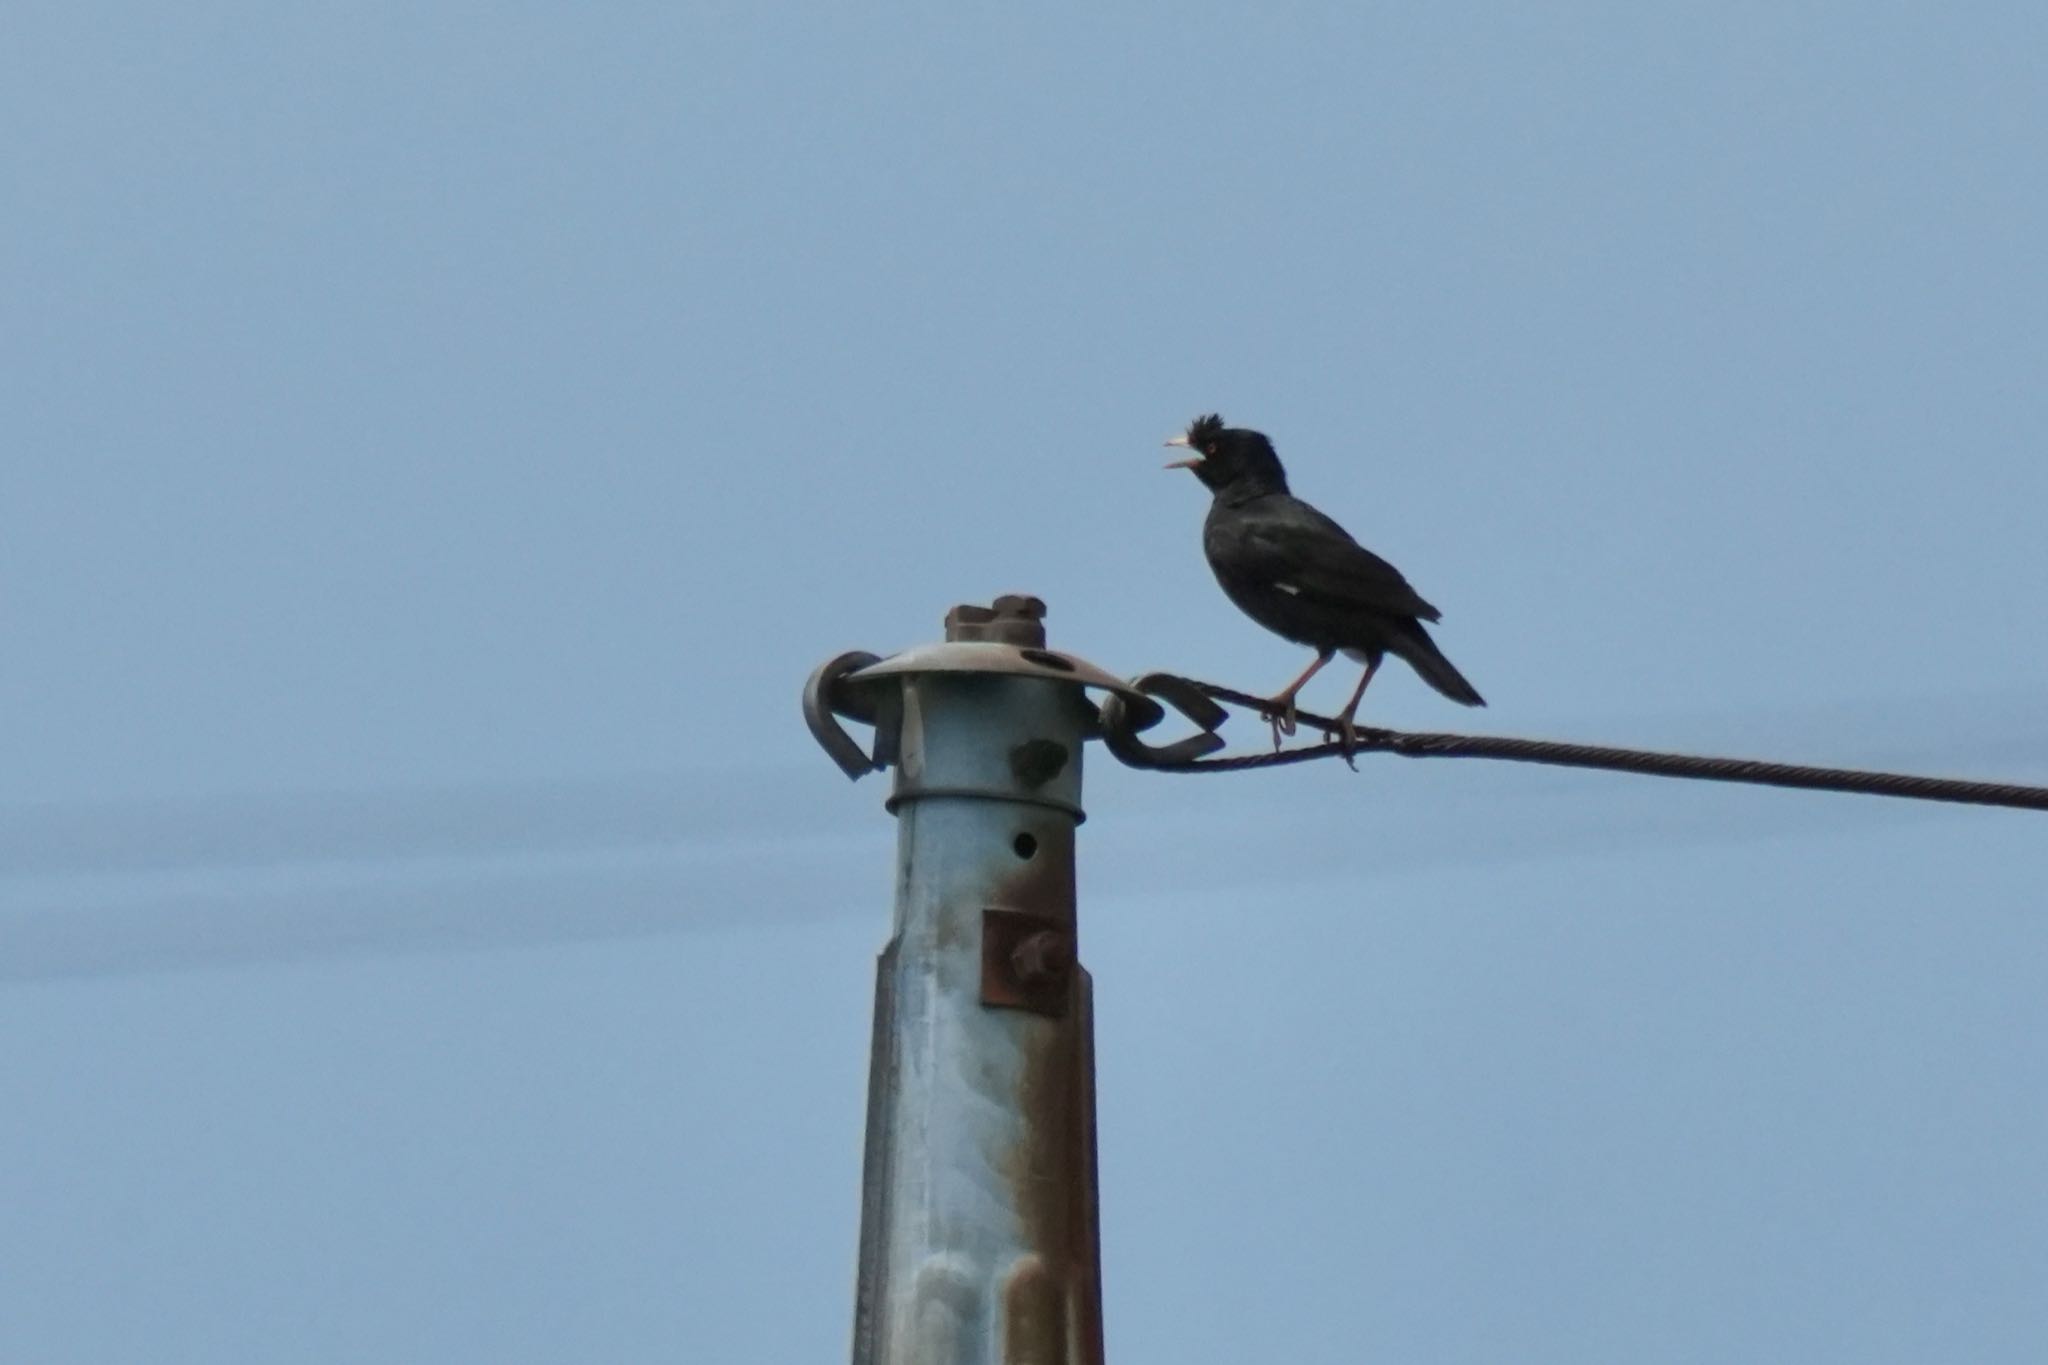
(1041, 959)
(1013, 619)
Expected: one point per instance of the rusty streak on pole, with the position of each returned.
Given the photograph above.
(978, 1214)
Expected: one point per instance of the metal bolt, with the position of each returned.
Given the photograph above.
(1040, 960)
(1013, 619)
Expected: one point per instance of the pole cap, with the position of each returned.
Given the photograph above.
(1005, 638)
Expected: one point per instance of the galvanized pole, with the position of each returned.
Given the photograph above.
(978, 1219)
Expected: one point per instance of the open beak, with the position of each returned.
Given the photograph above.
(1188, 463)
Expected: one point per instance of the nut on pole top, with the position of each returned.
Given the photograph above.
(1012, 619)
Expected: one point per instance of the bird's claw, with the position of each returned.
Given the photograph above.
(1280, 715)
(1347, 742)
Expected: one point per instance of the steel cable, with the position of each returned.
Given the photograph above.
(1411, 744)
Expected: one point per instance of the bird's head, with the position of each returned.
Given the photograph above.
(1230, 457)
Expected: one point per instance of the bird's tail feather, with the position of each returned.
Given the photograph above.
(1422, 654)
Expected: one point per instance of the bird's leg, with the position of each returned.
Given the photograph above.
(1279, 712)
(1347, 733)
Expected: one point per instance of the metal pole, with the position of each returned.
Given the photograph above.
(979, 1216)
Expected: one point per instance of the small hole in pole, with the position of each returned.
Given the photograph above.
(1025, 844)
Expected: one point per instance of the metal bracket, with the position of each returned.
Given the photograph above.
(1027, 961)
(820, 706)
(1120, 725)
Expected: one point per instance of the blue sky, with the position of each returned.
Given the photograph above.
(443, 438)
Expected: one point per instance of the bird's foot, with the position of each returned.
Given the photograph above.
(1347, 741)
(1279, 713)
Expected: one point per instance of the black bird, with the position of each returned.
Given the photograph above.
(1301, 575)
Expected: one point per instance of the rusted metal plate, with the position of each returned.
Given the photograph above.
(1027, 961)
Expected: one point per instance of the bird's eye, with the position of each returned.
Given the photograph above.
(1209, 450)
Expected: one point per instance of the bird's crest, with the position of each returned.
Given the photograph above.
(1203, 431)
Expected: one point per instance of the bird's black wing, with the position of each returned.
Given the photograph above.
(1299, 550)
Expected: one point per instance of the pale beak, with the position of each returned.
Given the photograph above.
(1188, 463)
